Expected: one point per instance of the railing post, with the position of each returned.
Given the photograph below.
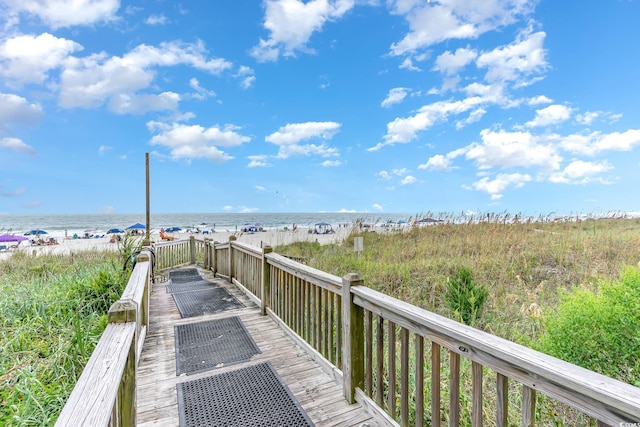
(353, 339)
(192, 249)
(145, 256)
(124, 311)
(231, 240)
(214, 258)
(266, 280)
(206, 254)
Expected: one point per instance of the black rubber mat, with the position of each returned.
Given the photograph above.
(251, 396)
(205, 301)
(189, 286)
(186, 275)
(212, 344)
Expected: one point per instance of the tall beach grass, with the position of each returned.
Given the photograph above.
(53, 312)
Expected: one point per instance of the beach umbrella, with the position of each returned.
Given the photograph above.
(172, 229)
(136, 226)
(35, 232)
(11, 238)
(115, 230)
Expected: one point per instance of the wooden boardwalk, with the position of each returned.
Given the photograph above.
(319, 394)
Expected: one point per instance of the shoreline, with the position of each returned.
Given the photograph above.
(260, 239)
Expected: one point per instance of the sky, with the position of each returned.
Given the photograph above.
(398, 106)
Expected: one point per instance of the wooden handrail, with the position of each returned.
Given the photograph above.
(341, 321)
(599, 396)
(105, 393)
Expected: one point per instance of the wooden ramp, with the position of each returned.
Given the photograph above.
(319, 394)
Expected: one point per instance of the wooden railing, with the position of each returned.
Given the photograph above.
(105, 393)
(172, 254)
(408, 365)
(414, 367)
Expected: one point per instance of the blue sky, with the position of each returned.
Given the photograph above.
(400, 106)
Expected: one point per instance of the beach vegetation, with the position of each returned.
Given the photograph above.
(537, 275)
(568, 288)
(53, 310)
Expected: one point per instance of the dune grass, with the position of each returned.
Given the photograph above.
(527, 270)
(53, 312)
(522, 265)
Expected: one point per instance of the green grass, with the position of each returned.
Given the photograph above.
(53, 311)
(521, 265)
(527, 270)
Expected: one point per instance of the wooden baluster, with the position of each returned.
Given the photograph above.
(419, 398)
(435, 384)
(380, 362)
(476, 398)
(392, 368)
(454, 389)
(266, 280)
(528, 406)
(404, 376)
(502, 403)
(368, 370)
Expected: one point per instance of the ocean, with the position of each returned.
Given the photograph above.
(58, 225)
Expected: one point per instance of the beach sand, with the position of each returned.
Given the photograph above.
(261, 239)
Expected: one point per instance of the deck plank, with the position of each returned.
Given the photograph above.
(317, 392)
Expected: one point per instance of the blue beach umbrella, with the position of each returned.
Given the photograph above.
(35, 232)
(136, 226)
(115, 230)
(172, 229)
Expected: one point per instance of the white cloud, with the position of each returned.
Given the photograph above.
(437, 163)
(515, 61)
(157, 20)
(377, 207)
(538, 100)
(288, 137)
(598, 142)
(16, 144)
(139, 104)
(247, 76)
(497, 186)
(408, 180)
(450, 63)
(580, 172)
(260, 189)
(513, 149)
(66, 13)
(404, 130)
(551, 115)
(195, 141)
(435, 22)
(473, 117)
(400, 172)
(384, 175)
(331, 163)
(395, 96)
(91, 81)
(28, 58)
(200, 92)
(258, 161)
(103, 149)
(15, 109)
(407, 64)
(291, 24)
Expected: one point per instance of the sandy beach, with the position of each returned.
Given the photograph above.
(258, 239)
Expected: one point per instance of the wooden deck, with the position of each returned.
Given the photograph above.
(319, 394)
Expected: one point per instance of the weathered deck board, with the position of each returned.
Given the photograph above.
(317, 392)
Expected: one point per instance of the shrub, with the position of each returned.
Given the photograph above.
(599, 331)
(465, 297)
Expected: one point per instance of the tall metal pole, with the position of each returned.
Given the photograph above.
(147, 236)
